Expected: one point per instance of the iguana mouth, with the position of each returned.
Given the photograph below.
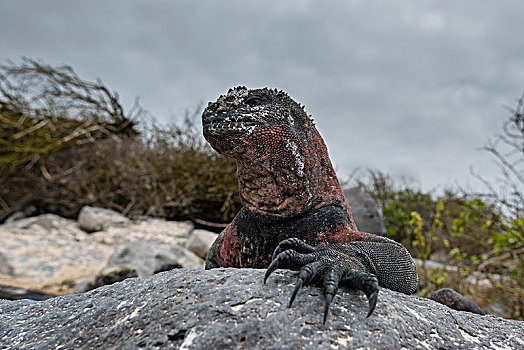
(223, 123)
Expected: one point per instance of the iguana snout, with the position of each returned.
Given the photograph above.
(242, 119)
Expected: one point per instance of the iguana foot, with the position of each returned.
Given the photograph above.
(330, 264)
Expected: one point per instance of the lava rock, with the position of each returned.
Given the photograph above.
(232, 308)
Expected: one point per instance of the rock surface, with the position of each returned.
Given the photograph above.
(232, 308)
(141, 259)
(200, 242)
(92, 219)
(50, 254)
(5, 268)
(365, 211)
(149, 256)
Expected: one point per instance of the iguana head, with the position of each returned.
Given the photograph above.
(282, 162)
(259, 117)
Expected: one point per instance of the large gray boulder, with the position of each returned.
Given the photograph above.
(232, 308)
(149, 256)
(365, 212)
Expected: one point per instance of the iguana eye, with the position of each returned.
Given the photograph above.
(253, 101)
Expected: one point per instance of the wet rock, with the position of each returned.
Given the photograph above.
(232, 308)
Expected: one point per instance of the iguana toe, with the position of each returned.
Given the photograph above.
(326, 264)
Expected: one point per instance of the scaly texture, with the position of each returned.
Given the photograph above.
(294, 213)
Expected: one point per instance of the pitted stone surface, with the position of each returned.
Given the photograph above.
(232, 308)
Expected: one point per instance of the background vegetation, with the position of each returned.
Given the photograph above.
(477, 237)
(66, 142)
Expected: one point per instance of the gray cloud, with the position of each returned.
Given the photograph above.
(412, 87)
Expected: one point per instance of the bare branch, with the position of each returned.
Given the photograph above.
(508, 152)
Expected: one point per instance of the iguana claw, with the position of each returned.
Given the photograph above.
(372, 302)
(332, 265)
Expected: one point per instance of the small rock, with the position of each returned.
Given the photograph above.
(365, 211)
(441, 256)
(455, 301)
(93, 219)
(200, 241)
(149, 256)
(497, 309)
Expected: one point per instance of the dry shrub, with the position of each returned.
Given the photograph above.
(66, 142)
(170, 173)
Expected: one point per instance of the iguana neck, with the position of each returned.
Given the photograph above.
(288, 179)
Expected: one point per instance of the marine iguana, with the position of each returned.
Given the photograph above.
(294, 213)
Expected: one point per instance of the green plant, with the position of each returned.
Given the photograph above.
(425, 242)
(503, 256)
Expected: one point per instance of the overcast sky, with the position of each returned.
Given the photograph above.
(411, 88)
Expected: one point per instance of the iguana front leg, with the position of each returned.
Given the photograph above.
(362, 265)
